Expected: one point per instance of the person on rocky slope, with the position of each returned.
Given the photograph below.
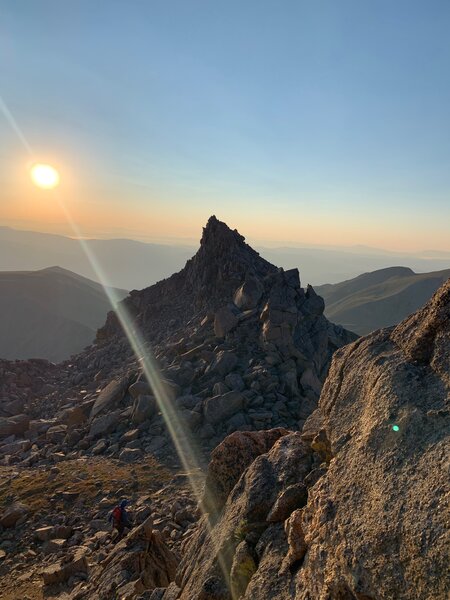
(120, 519)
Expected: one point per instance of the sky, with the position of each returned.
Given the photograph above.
(294, 121)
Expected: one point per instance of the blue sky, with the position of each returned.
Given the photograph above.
(320, 121)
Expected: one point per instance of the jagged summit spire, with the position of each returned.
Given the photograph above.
(217, 232)
(223, 261)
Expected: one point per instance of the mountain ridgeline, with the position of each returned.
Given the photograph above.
(131, 264)
(379, 299)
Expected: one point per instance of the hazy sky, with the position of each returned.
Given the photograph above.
(309, 122)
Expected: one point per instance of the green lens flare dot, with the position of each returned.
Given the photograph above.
(395, 428)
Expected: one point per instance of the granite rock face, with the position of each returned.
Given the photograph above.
(216, 549)
(230, 459)
(373, 459)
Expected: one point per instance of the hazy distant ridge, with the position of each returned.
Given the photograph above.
(126, 264)
(51, 313)
(130, 264)
(379, 299)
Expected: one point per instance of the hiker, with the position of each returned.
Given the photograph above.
(119, 518)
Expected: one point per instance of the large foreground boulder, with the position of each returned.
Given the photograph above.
(230, 459)
(224, 556)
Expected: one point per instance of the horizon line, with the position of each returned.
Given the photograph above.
(190, 242)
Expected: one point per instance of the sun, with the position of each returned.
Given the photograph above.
(44, 176)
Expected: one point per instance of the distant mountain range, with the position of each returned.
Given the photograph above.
(125, 264)
(51, 313)
(379, 299)
(130, 264)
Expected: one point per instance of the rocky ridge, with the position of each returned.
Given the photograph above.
(355, 506)
(239, 343)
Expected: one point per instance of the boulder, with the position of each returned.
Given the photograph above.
(12, 407)
(248, 294)
(130, 455)
(130, 435)
(140, 388)
(16, 425)
(192, 418)
(235, 382)
(230, 459)
(220, 408)
(15, 447)
(56, 434)
(144, 408)
(144, 561)
(99, 447)
(73, 564)
(110, 396)
(13, 514)
(104, 424)
(224, 363)
(297, 546)
(215, 550)
(290, 499)
(54, 546)
(225, 320)
(242, 569)
(75, 415)
(44, 533)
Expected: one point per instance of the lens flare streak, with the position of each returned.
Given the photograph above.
(178, 433)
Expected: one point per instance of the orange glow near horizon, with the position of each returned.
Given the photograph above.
(104, 211)
(39, 213)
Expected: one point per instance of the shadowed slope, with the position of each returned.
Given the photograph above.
(50, 314)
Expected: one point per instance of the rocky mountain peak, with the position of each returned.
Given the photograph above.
(221, 243)
(222, 263)
(217, 232)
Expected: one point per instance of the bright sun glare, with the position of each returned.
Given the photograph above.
(44, 176)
